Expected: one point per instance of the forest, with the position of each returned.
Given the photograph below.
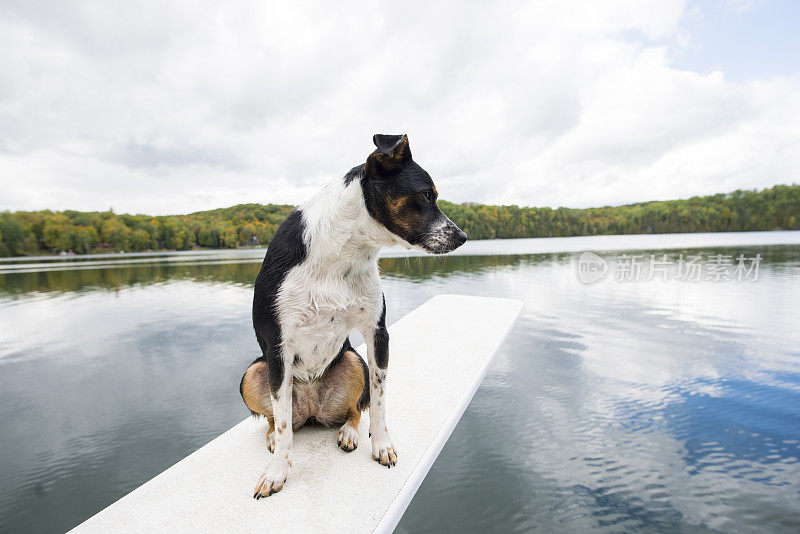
(45, 232)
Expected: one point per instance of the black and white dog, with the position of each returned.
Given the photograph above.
(320, 280)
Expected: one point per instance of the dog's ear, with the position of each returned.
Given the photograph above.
(392, 146)
(392, 152)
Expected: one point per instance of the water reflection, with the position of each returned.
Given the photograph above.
(79, 280)
(635, 407)
(228, 268)
(656, 406)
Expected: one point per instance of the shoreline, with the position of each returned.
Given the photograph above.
(480, 247)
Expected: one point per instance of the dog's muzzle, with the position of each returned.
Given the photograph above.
(446, 239)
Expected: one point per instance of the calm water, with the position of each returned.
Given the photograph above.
(646, 406)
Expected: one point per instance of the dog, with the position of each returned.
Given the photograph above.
(320, 280)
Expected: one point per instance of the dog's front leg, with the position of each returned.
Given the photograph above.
(280, 383)
(377, 340)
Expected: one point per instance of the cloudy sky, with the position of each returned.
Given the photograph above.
(169, 107)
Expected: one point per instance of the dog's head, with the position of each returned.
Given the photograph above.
(401, 196)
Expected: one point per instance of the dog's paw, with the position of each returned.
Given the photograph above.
(348, 438)
(383, 451)
(272, 480)
(271, 441)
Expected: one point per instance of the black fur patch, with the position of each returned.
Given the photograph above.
(285, 251)
(390, 145)
(382, 340)
(353, 174)
(363, 400)
(399, 194)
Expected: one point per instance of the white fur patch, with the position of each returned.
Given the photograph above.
(271, 441)
(273, 478)
(348, 437)
(436, 239)
(337, 287)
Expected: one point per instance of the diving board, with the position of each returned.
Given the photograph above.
(439, 354)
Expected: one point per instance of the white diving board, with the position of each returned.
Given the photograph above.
(438, 356)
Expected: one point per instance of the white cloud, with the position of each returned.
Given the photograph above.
(181, 108)
(739, 6)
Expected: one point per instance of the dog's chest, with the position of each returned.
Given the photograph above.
(317, 314)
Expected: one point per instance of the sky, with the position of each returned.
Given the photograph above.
(171, 107)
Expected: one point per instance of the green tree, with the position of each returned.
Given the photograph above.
(57, 231)
(228, 236)
(116, 234)
(247, 234)
(140, 239)
(16, 240)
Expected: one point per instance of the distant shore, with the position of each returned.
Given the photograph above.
(33, 233)
(479, 247)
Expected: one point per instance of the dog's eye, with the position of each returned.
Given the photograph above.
(428, 196)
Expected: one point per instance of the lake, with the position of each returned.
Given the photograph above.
(661, 395)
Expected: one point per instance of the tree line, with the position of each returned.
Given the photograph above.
(775, 208)
(37, 232)
(34, 232)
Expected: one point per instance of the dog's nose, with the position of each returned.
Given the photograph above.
(461, 237)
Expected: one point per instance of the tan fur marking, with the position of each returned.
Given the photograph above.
(355, 384)
(339, 389)
(255, 389)
(397, 211)
(354, 417)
